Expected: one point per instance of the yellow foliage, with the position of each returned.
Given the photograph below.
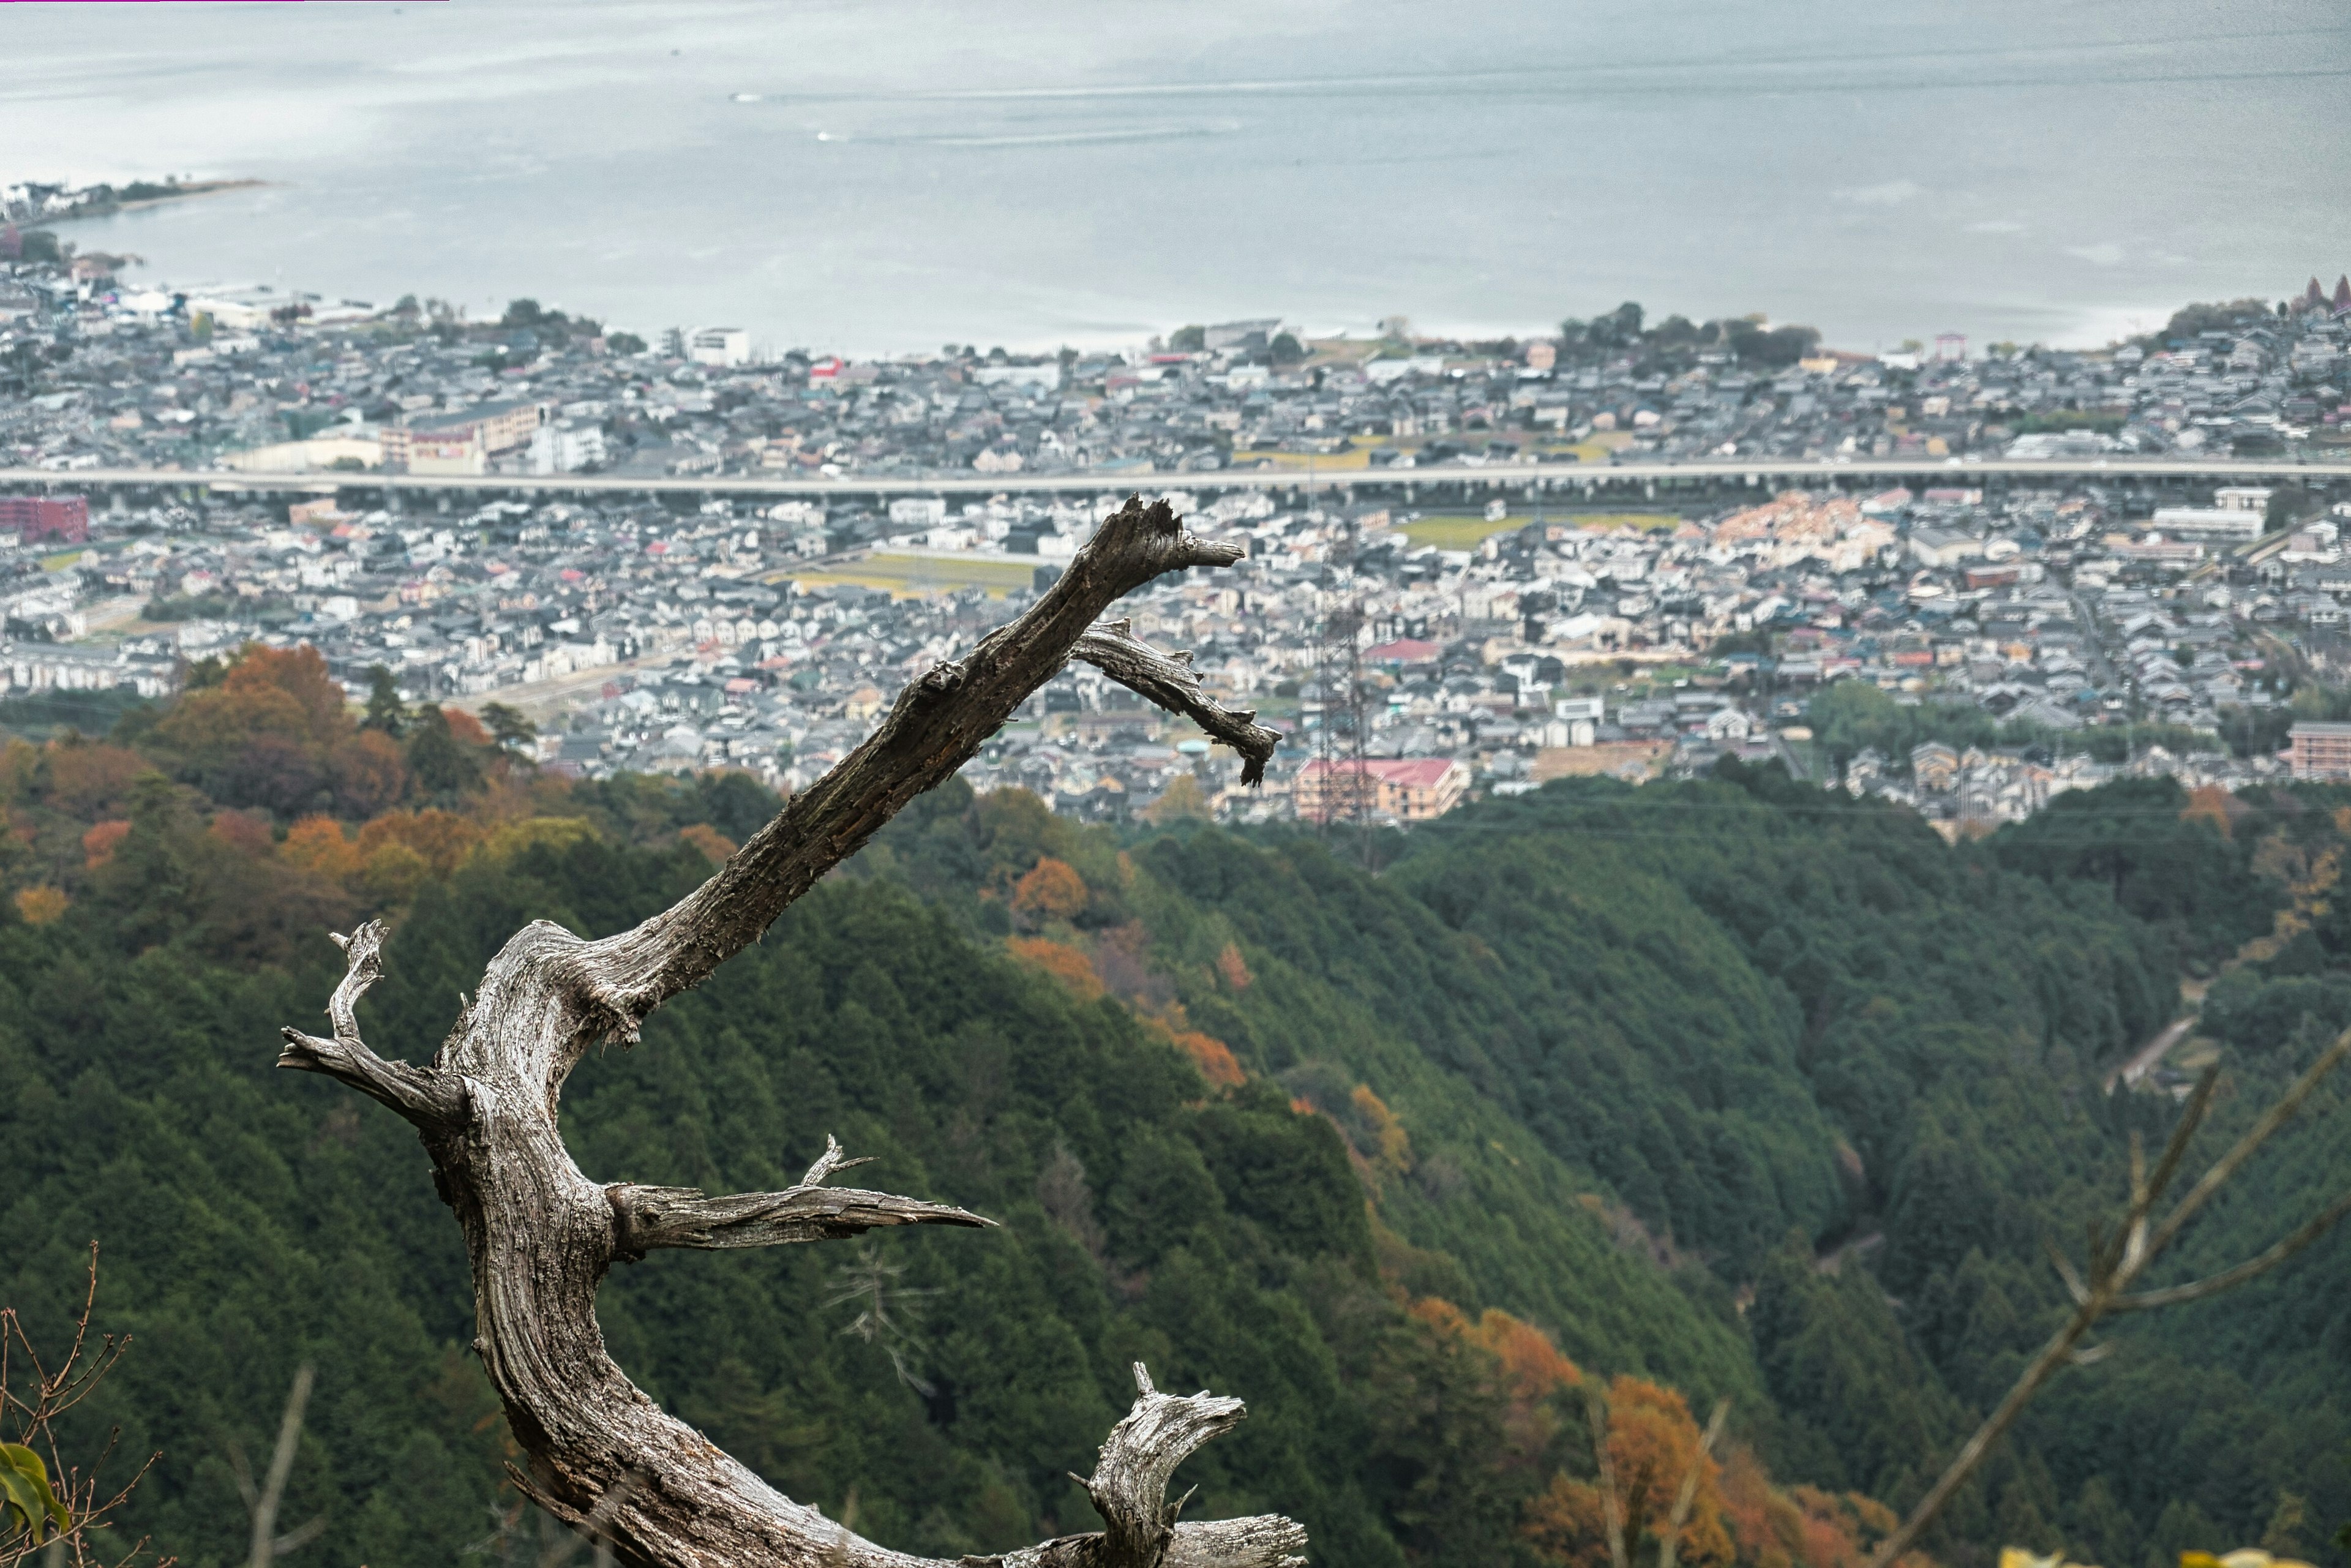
(1391, 1152)
(508, 839)
(40, 905)
(1182, 801)
(2210, 803)
(441, 838)
(392, 872)
(1652, 1445)
(320, 845)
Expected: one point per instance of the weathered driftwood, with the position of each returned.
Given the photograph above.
(540, 1234)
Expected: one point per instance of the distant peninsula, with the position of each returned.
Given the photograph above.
(35, 201)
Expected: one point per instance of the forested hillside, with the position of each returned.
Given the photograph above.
(1690, 1092)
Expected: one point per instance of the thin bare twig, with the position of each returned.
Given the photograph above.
(2115, 1262)
(267, 1542)
(33, 1395)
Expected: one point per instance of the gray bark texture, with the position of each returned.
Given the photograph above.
(540, 1235)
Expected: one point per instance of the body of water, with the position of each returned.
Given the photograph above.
(889, 175)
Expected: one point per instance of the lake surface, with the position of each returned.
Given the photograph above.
(889, 175)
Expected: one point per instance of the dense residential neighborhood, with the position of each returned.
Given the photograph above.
(1416, 653)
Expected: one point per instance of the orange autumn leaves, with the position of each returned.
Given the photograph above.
(391, 856)
(275, 732)
(1652, 1443)
(1531, 1368)
(1064, 963)
(1052, 891)
(1739, 1518)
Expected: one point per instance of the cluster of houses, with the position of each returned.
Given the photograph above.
(1415, 659)
(1409, 672)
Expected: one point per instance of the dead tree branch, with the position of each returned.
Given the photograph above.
(1168, 680)
(540, 1235)
(645, 1217)
(2115, 1262)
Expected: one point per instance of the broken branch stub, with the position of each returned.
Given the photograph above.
(539, 1235)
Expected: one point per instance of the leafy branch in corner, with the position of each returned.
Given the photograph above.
(47, 1505)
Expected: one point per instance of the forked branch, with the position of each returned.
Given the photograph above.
(425, 1096)
(542, 1236)
(2116, 1261)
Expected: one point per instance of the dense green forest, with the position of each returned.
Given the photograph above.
(1730, 1089)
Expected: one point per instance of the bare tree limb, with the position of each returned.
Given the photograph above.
(831, 1160)
(301, 1535)
(645, 1217)
(540, 1235)
(1168, 680)
(1129, 1488)
(2072, 1276)
(939, 723)
(2279, 1112)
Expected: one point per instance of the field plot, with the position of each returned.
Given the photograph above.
(1465, 532)
(910, 576)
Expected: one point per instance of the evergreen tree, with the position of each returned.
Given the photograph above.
(384, 709)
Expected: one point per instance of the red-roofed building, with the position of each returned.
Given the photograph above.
(1403, 651)
(35, 520)
(1409, 789)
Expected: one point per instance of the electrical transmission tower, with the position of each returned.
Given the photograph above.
(1347, 786)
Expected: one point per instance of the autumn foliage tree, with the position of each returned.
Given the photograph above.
(1052, 890)
(1653, 1443)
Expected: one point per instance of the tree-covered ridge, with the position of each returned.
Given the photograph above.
(1947, 1016)
(1729, 1089)
(1215, 1227)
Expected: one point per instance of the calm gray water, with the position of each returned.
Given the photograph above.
(912, 173)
